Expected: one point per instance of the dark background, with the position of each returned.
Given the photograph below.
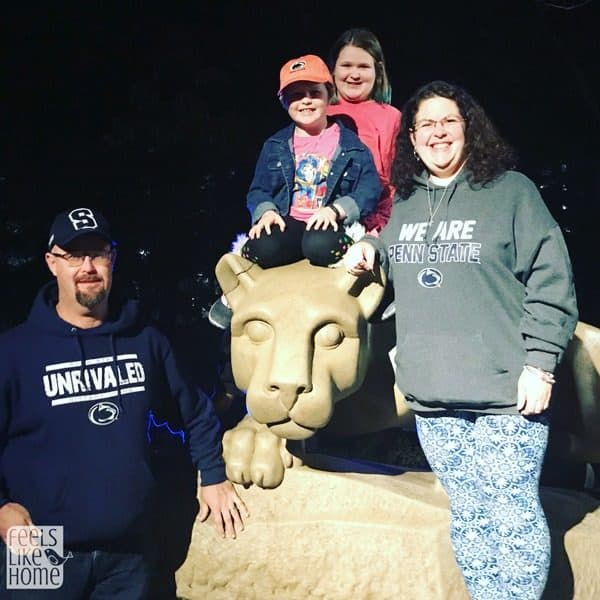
(155, 113)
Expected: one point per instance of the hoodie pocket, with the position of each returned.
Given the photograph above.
(453, 368)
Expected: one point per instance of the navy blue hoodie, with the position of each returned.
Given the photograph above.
(76, 408)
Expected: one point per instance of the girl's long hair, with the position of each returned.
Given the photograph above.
(367, 41)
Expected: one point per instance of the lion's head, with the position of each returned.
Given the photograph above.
(299, 339)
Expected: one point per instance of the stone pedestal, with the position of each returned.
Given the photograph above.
(344, 531)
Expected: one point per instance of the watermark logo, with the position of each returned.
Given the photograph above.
(35, 557)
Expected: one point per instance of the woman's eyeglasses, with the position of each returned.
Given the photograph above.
(429, 125)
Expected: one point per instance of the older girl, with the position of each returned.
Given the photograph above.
(364, 94)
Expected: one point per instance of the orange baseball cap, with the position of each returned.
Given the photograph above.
(305, 68)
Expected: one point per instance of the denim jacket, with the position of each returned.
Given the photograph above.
(352, 182)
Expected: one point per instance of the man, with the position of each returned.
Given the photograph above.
(83, 382)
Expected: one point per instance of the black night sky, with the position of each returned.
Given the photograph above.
(155, 113)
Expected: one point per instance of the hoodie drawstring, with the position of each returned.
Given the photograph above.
(81, 353)
(113, 349)
(447, 211)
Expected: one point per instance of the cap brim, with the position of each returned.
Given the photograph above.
(63, 243)
(307, 79)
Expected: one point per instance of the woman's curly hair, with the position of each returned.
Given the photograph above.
(488, 154)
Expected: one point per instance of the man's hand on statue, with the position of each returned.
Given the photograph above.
(227, 508)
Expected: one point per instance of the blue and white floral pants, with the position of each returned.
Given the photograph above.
(490, 467)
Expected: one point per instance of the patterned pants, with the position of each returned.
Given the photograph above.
(490, 467)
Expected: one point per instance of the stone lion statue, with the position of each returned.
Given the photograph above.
(307, 358)
(310, 354)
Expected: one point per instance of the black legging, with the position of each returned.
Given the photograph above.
(321, 247)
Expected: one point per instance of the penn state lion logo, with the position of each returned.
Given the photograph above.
(103, 413)
(430, 277)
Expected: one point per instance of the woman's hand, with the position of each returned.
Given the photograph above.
(533, 393)
(269, 218)
(360, 257)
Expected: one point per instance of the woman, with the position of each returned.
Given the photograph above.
(364, 94)
(485, 307)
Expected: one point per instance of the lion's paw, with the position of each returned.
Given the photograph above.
(238, 447)
(255, 455)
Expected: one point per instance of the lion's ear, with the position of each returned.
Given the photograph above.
(236, 275)
(368, 288)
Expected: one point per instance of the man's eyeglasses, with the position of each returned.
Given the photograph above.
(429, 125)
(77, 257)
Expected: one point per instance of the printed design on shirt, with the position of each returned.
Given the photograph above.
(451, 242)
(430, 277)
(310, 181)
(103, 413)
(98, 379)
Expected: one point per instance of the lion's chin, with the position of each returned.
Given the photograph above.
(291, 431)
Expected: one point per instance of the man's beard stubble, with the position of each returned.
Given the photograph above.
(91, 300)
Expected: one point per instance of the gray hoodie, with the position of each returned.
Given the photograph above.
(484, 290)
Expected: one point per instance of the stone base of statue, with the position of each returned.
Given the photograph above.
(344, 530)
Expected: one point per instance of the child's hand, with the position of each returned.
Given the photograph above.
(323, 219)
(265, 223)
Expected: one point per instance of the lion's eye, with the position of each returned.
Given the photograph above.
(258, 331)
(329, 336)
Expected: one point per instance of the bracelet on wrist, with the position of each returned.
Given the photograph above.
(546, 376)
(336, 210)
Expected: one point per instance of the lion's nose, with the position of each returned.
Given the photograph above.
(287, 394)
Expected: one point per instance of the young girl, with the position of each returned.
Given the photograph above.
(364, 93)
(312, 179)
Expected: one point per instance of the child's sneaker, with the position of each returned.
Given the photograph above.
(219, 314)
(389, 311)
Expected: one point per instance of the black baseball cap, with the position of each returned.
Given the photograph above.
(71, 224)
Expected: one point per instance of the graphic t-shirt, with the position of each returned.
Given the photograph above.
(313, 154)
